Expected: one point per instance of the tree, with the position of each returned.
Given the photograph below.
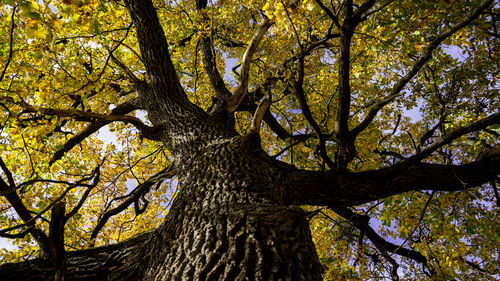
(316, 130)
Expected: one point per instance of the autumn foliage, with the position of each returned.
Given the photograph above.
(417, 71)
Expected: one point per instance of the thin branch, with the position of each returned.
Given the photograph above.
(33, 172)
(419, 63)
(378, 9)
(299, 90)
(79, 205)
(127, 71)
(289, 147)
(361, 222)
(389, 153)
(393, 131)
(476, 126)
(110, 55)
(297, 37)
(17, 235)
(477, 267)
(329, 13)
(134, 195)
(93, 127)
(11, 44)
(64, 40)
(23, 186)
(85, 194)
(425, 137)
(30, 221)
(495, 191)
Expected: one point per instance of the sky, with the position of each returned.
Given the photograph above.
(109, 137)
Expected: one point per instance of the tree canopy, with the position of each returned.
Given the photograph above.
(362, 88)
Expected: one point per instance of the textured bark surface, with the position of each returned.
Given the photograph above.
(92, 264)
(236, 216)
(227, 223)
(234, 225)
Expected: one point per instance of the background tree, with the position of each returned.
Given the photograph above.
(379, 118)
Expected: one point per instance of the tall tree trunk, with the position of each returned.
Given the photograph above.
(236, 214)
(227, 222)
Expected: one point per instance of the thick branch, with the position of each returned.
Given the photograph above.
(56, 239)
(209, 61)
(154, 50)
(345, 147)
(153, 133)
(7, 173)
(259, 114)
(97, 264)
(341, 125)
(88, 116)
(242, 89)
(351, 189)
(210, 65)
(421, 61)
(248, 105)
(357, 16)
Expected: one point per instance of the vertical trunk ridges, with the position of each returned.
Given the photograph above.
(264, 243)
(228, 226)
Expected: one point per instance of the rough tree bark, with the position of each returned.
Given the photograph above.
(236, 216)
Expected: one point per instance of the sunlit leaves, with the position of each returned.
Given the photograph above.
(61, 59)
